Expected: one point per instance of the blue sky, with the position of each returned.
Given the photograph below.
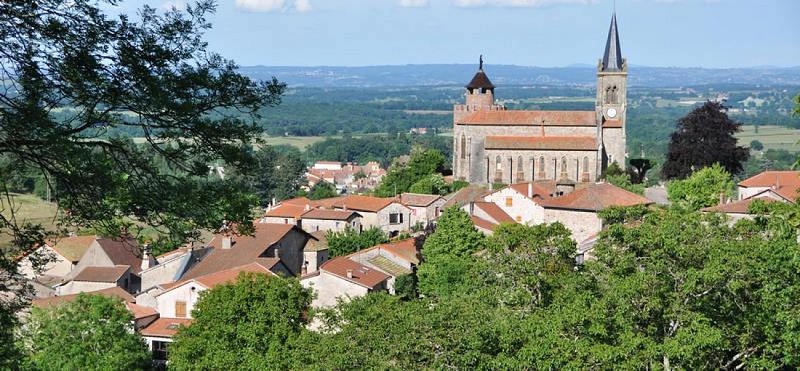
(681, 33)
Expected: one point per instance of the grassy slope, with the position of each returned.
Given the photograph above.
(773, 137)
(27, 208)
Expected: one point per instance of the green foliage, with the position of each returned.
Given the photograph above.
(406, 287)
(422, 163)
(701, 189)
(249, 324)
(380, 148)
(796, 109)
(702, 138)
(458, 184)
(623, 181)
(432, 185)
(91, 332)
(275, 172)
(756, 145)
(322, 190)
(350, 240)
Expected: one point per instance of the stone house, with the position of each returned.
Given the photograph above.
(486, 216)
(385, 213)
(159, 334)
(142, 316)
(395, 259)
(95, 278)
(330, 220)
(64, 252)
(522, 201)
(578, 210)
(106, 252)
(171, 266)
(343, 279)
(424, 208)
(782, 183)
(315, 253)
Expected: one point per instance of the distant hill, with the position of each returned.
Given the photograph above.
(458, 74)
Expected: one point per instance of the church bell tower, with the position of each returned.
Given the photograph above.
(612, 95)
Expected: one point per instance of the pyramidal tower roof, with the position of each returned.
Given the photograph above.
(480, 80)
(612, 58)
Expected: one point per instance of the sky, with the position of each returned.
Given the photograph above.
(544, 33)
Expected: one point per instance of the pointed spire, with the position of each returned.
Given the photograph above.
(612, 58)
(480, 80)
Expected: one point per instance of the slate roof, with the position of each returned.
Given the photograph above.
(362, 275)
(165, 327)
(530, 118)
(612, 57)
(72, 248)
(244, 249)
(417, 199)
(123, 252)
(541, 143)
(114, 292)
(102, 274)
(595, 197)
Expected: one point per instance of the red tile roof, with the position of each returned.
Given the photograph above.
(417, 199)
(123, 252)
(541, 143)
(540, 188)
(405, 249)
(287, 211)
(363, 203)
(595, 197)
(773, 178)
(140, 311)
(531, 118)
(612, 124)
(362, 275)
(737, 207)
(165, 327)
(114, 292)
(494, 211)
(330, 214)
(470, 193)
(102, 274)
(483, 223)
(229, 275)
(244, 249)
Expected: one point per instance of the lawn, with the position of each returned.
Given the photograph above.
(773, 137)
(27, 208)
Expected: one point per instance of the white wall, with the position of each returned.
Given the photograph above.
(166, 301)
(328, 289)
(582, 224)
(74, 287)
(522, 209)
(60, 267)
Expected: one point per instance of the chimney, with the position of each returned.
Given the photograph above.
(344, 207)
(350, 273)
(530, 189)
(147, 259)
(277, 253)
(472, 208)
(226, 243)
(308, 207)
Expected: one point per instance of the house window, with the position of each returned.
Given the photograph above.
(160, 350)
(180, 309)
(518, 219)
(396, 218)
(509, 201)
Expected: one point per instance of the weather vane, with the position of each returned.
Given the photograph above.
(480, 62)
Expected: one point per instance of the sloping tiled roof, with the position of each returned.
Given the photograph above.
(417, 199)
(114, 292)
(165, 327)
(595, 197)
(773, 178)
(406, 249)
(320, 244)
(494, 211)
(140, 311)
(123, 252)
(540, 188)
(286, 211)
(614, 123)
(483, 223)
(480, 81)
(363, 203)
(244, 249)
(388, 266)
(530, 118)
(228, 275)
(737, 207)
(102, 274)
(362, 275)
(470, 193)
(541, 143)
(330, 214)
(72, 248)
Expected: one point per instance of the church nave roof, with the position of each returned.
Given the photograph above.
(531, 118)
(541, 143)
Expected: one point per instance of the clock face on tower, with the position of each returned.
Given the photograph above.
(611, 113)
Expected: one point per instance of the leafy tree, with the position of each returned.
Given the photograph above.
(276, 173)
(91, 332)
(249, 324)
(702, 138)
(72, 75)
(796, 110)
(322, 190)
(432, 184)
(702, 189)
(756, 145)
(351, 240)
(422, 163)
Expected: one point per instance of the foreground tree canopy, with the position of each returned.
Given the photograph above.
(704, 137)
(91, 332)
(70, 73)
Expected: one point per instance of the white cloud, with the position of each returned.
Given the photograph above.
(413, 3)
(300, 6)
(176, 4)
(519, 3)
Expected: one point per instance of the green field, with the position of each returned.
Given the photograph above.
(27, 208)
(773, 137)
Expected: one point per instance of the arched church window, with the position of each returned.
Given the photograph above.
(614, 94)
(463, 146)
(498, 163)
(563, 164)
(608, 95)
(541, 164)
(585, 164)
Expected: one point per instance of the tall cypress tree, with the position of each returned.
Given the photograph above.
(704, 137)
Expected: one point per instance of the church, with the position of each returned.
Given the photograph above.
(495, 145)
